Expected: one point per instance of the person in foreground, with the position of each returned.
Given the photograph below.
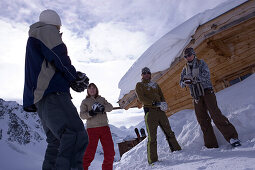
(93, 109)
(48, 77)
(150, 95)
(196, 76)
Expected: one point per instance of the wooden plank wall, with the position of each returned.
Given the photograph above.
(225, 43)
(239, 60)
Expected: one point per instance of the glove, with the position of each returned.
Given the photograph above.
(81, 83)
(92, 113)
(97, 107)
(187, 81)
(163, 106)
(31, 108)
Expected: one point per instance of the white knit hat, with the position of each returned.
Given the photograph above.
(49, 16)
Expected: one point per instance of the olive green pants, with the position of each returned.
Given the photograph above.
(154, 117)
(206, 103)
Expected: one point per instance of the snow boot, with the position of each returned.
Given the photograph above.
(235, 142)
(173, 144)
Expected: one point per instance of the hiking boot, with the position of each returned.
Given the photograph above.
(235, 142)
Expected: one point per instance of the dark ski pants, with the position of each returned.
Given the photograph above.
(66, 136)
(206, 103)
(104, 134)
(154, 117)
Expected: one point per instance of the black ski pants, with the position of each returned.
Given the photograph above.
(66, 136)
(207, 103)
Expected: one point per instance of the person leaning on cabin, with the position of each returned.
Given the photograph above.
(93, 109)
(196, 76)
(48, 77)
(151, 96)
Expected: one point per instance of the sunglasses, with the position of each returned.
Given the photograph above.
(146, 73)
(188, 55)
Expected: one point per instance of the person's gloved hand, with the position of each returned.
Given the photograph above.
(31, 108)
(187, 81)
(97, 107)
(102, 109)
(81, 83)
(92, 113)
(163, 106)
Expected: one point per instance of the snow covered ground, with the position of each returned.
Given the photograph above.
(238, 104)
(22, 140)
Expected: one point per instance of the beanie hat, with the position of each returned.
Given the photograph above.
(189, 52)
(49, 16)
(146, 70)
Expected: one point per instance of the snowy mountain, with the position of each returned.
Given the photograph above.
(238, 104)
(18, 126)
(21, 138)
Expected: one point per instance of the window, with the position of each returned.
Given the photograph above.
(245, 76)
(238, 79)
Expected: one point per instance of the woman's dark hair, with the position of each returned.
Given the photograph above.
(92, 84)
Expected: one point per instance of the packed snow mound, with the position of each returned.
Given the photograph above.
(162, 53)
(237, 103)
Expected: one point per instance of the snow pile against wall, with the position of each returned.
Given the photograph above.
(237, 103)
(162, 53)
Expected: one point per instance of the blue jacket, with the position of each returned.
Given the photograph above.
(48, 68)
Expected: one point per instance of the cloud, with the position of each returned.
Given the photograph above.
(154, 18)
(112, 41)
(12, 49)
(103, 37)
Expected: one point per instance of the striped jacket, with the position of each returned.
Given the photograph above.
(198, 69)
(48, 68)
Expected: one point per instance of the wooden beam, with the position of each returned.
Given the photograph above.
(231, 24)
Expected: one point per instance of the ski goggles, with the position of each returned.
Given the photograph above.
(188, 55)
(146, 72)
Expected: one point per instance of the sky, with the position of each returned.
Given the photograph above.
(104, 38)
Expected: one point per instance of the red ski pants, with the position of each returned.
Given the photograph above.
(104, 134)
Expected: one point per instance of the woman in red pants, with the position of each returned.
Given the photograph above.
(93, 109)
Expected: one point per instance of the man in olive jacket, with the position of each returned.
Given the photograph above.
(151, 96)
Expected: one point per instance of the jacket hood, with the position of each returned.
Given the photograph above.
(34, 27)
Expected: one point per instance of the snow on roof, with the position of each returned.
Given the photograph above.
(161, 54)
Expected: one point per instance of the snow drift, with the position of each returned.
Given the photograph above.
(238, 104)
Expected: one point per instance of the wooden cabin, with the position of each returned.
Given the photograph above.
(226, 43)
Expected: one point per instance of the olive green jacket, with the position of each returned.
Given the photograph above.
(149, 92)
